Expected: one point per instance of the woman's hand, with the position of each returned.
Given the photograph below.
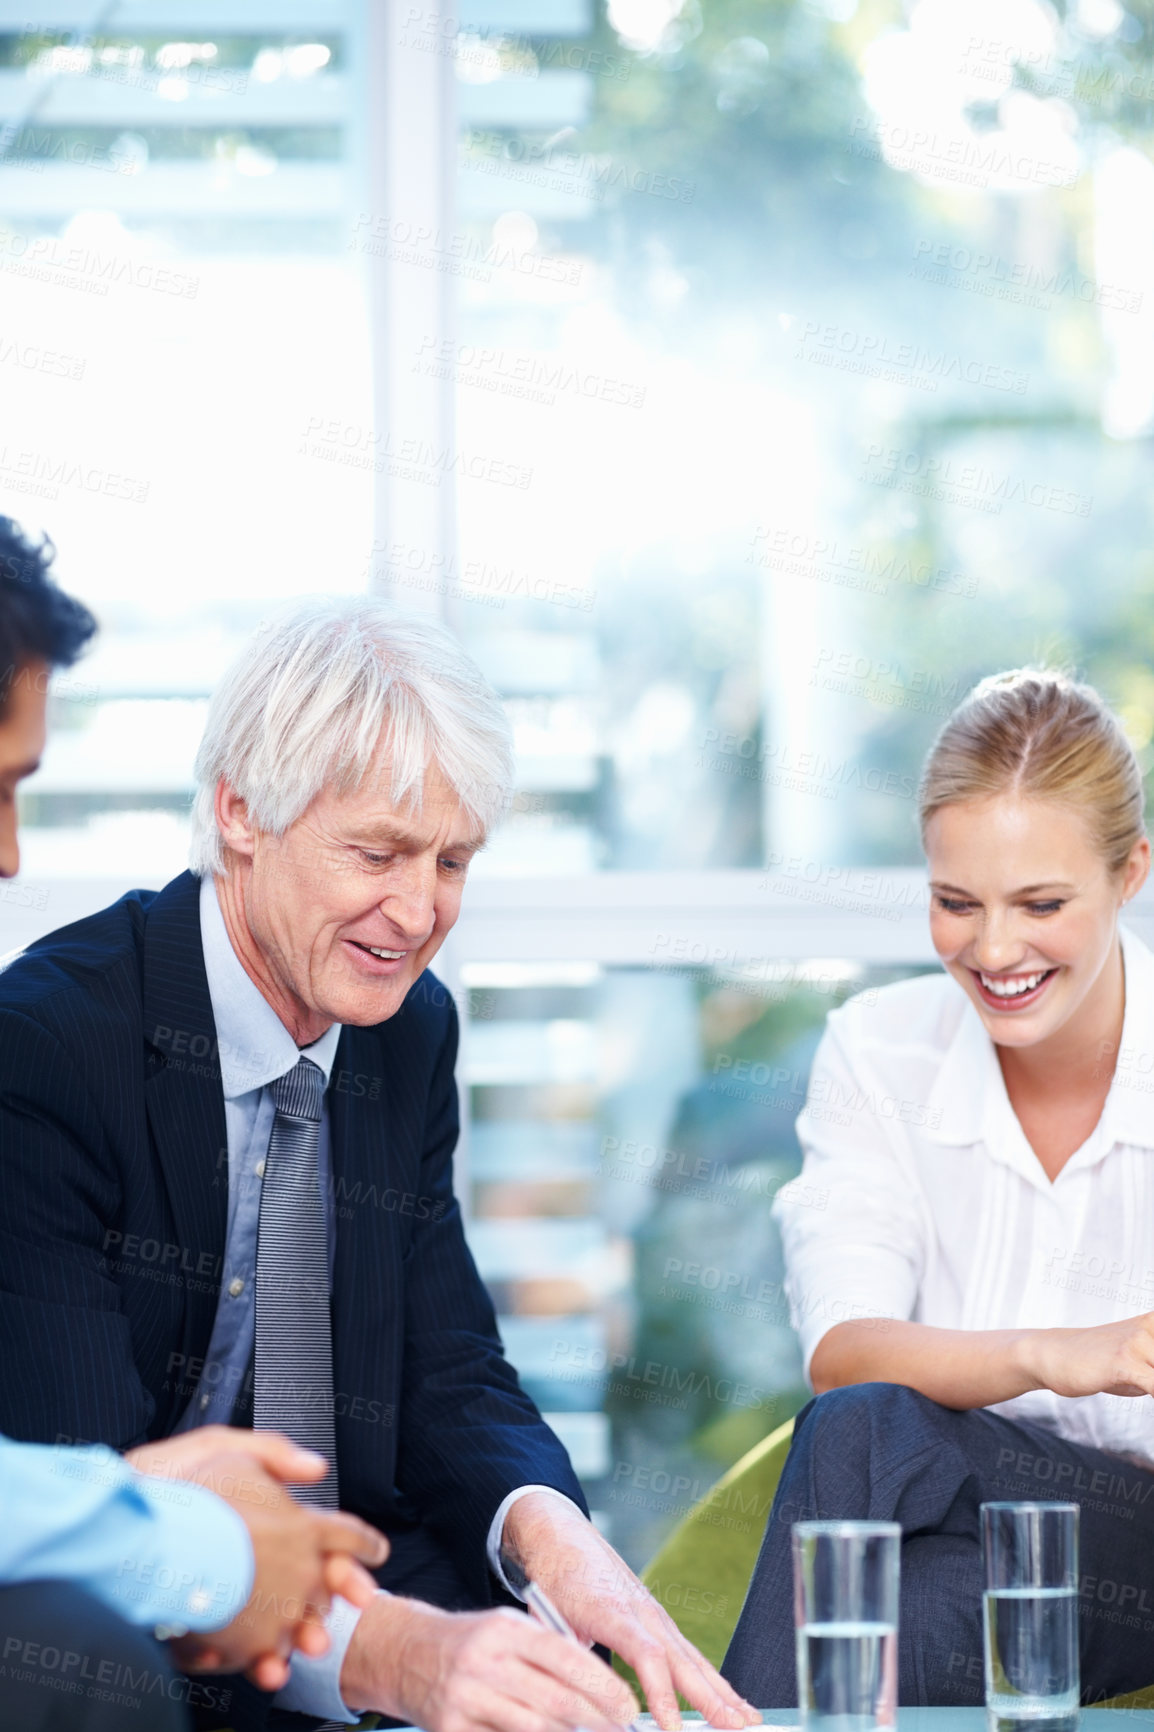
(1110, 1359)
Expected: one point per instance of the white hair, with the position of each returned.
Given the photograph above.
(327, 695)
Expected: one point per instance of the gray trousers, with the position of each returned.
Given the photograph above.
(881, 1451)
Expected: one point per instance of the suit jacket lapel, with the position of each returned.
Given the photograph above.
(184, 1100)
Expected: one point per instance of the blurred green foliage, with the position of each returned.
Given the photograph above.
(752, 104)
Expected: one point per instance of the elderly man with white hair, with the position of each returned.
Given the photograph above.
(227, 1120)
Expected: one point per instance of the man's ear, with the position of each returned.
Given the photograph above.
(232, 820)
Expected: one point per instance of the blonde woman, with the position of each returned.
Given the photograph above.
(975, 1300)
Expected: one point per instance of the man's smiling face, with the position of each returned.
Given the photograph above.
(339, 916)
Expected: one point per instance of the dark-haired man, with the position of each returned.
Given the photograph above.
(199, 1534)
(41, 628)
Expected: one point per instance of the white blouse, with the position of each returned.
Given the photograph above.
(920, 1197)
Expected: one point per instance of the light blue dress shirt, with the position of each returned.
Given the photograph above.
(157, 1551)
(255, 1049)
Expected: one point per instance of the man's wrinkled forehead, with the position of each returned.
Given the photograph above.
(430, 815)
(414, 834)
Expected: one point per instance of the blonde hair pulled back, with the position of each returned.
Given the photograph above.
(1037, 733)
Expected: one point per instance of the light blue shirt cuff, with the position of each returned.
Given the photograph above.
(204, 1573)
(315, 1684)
(497, 1528)
(156, 1550)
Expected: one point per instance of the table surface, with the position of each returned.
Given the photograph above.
(974, 1719)
(948, 1719)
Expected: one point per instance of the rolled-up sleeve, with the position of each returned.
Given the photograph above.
(851, 1223)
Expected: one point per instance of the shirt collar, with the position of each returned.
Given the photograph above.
(968, 1102)
(254, 1045)
(1128, 1114)
(968, 1081)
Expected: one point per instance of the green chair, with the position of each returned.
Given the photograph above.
(701, 1573)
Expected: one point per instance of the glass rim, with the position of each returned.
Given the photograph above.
(848, 1529)
(1030, 1504)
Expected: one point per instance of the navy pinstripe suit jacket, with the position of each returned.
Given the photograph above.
(113, 1196)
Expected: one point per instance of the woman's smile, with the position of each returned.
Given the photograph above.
(1010, 994)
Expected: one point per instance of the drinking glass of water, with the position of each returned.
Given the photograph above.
(845, 1582)
(1031, 1616)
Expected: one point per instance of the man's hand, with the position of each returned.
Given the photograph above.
(478, 1672)
(301, 1556)
(604, 1602)
(183, 1457)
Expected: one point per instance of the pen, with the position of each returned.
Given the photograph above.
(546, 1613)
(539, 1602)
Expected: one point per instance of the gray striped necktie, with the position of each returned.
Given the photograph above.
(293, 1347)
